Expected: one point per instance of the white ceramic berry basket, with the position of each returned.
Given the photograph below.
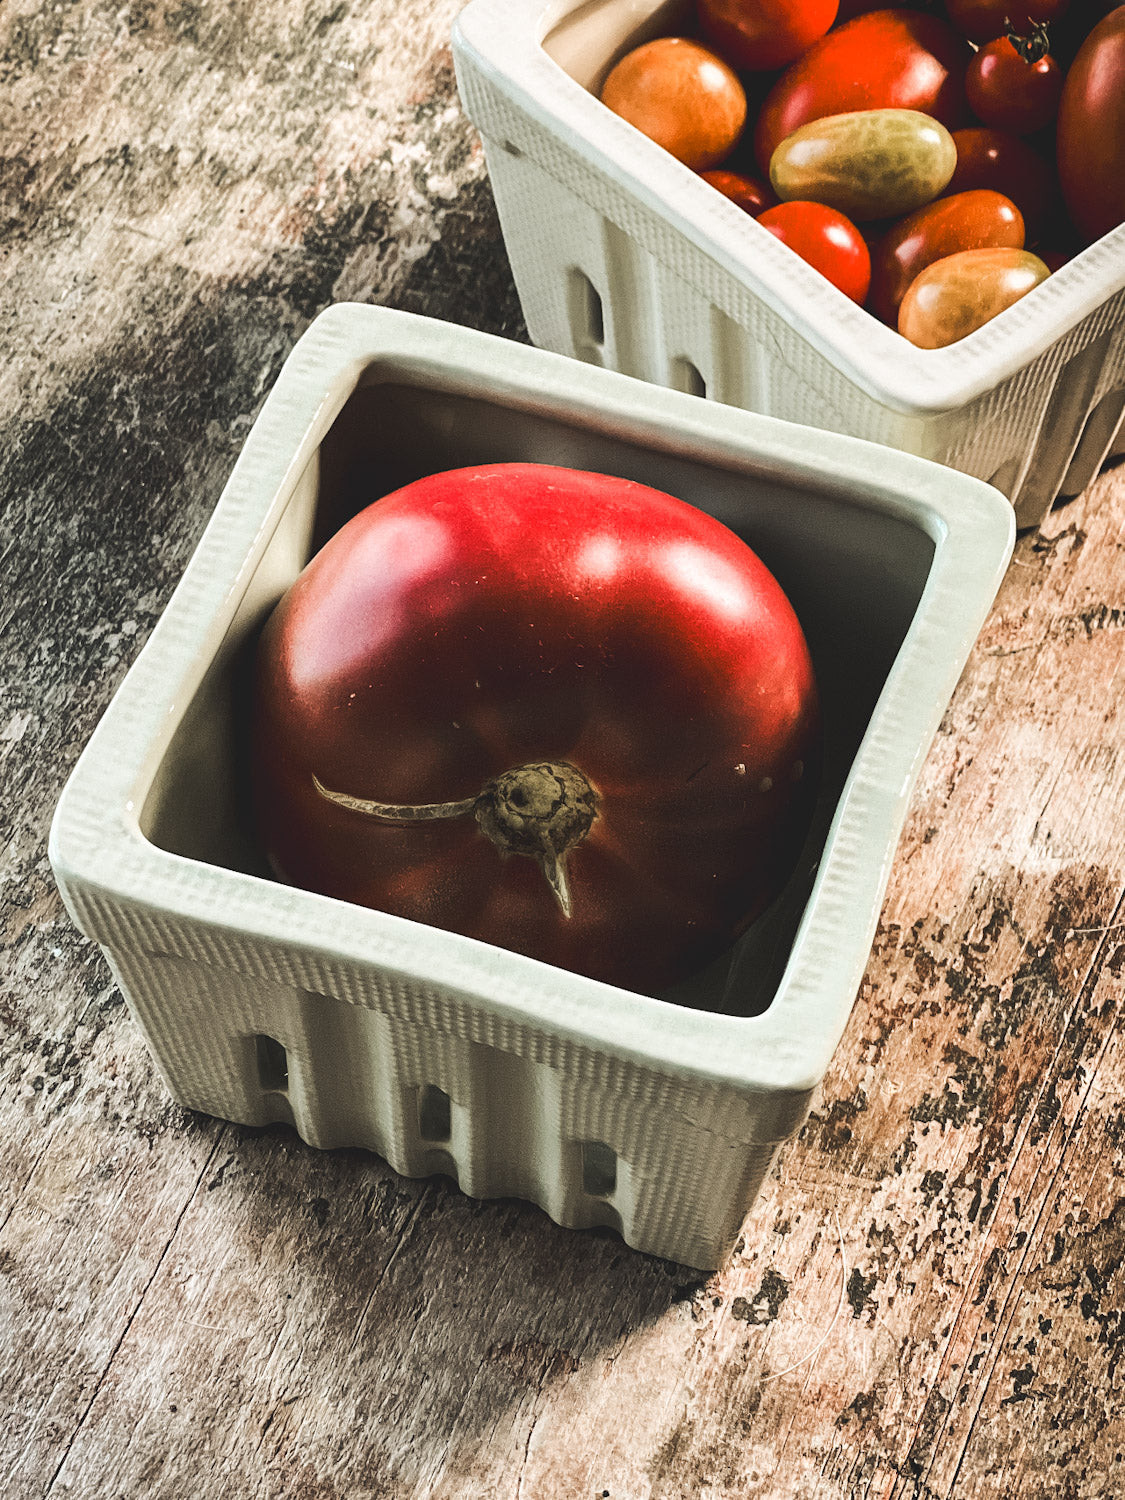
(658, 1116)
(625, 258)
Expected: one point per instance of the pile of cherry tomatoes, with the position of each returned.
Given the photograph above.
(934, 161)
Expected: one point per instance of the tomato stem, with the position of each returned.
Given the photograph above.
(541, 810)
(1035, 45)
(397, 812)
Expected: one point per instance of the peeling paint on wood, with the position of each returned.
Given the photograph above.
(929, 1299)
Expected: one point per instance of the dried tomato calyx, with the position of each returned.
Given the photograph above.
(541, 810)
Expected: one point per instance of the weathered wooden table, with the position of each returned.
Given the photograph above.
(929, 1299)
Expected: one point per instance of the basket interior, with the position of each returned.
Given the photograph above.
(854, 573)
(592, 37)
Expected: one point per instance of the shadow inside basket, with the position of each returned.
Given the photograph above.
(854, 573)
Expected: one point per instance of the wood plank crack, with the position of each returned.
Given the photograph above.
(170, 1239)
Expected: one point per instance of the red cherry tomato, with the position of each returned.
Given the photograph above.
(1003, 162)
(681, 96)
(1011, 85)
(828, 240)
(760, 35)
(982, 20)
(1090, 140)
(849, 9)
(965, 221)
(887, 59)
(751, 195)
(558, 712)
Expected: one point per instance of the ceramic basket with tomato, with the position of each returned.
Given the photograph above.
(628, 258)
(654, 1111)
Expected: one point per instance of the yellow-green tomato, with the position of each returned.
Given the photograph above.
(869, 164)
(954, 296)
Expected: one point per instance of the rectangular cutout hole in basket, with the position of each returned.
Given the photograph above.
(441, 1164)
(686, 376)
(585, 315)
(434, 1114)
(599, 1169)
(273, 1064)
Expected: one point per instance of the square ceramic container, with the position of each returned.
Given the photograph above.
(656, 1114)
(625, 258)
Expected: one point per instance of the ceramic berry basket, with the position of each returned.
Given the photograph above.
(655, 1114)
(625, 258)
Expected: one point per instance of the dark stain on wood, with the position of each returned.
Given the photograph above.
(764, 1305)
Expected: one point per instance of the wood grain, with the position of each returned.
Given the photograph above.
(928, 1300)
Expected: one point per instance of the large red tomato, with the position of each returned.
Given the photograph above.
(556, 711)
(886, 59)
(1090, 138)
(760, 35)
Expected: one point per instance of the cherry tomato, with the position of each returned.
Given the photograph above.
(849, 9)
(1090, 141)
(826, 239)
(554, 711)
(1003, 162)
(1013, 85)
(760, 35)
(750, 194)
(982, 20)
(680, 95)
(958, 294)
(869, 164)
(887, 59)
(965, 221)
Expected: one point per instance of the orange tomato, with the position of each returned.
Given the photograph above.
(965, 221)
(680, 95)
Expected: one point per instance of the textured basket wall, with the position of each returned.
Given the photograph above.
(623, 258)
(433, 1085)
(655, 1115)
